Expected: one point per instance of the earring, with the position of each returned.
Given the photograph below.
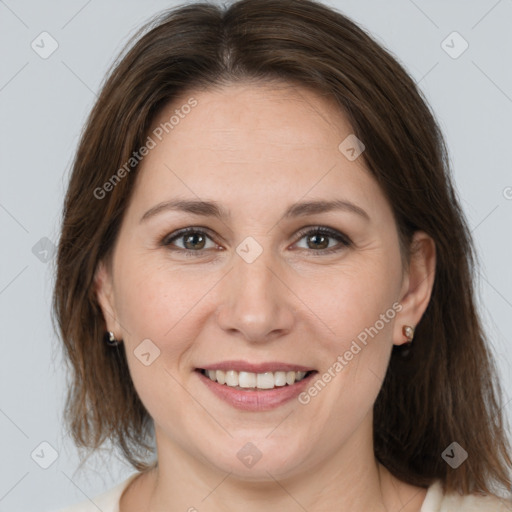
(405, 349)
(111, 339)
(408, 332)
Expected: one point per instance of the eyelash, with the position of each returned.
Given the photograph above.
(316, 230)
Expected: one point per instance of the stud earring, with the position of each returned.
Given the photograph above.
(111, 339)
(408, 332)
(405, 349)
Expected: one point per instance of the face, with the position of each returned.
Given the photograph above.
(264, 289)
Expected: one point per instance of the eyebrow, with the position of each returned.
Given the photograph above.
(214, 209)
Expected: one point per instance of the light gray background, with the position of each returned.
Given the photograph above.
(43, 105)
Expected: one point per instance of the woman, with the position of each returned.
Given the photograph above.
(264, 269)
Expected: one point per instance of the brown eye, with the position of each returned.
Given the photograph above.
(194, 241)
(319, 238)
(318, 241)
(188, 241)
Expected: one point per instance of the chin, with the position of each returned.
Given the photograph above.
(258, 458)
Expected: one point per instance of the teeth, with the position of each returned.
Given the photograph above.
(267, 380)
(290, 378)
(280, 378)
(247, 380)
(221, 376)
(231, 378)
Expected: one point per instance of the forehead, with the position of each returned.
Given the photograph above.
(280, 115)
(252, 143)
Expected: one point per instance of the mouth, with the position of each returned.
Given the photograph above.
(252, 387)
(252, 381)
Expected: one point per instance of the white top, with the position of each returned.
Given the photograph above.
(434, 501)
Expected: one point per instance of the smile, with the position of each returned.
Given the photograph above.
(267, 387)
(253, 381)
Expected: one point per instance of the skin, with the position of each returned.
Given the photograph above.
(256, 149)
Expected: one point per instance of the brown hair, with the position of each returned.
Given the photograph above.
(447, 390)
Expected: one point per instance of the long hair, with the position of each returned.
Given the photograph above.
(448, 389)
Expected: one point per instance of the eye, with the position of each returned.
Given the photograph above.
(194, 241)
(317, 238)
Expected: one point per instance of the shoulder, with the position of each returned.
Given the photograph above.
(106, 502)
(475, 503)
(436, 501)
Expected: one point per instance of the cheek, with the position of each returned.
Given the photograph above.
(152, 297)
(357, 314)
(164, 305)
(355, 361)
(155, 304)
(351, 298)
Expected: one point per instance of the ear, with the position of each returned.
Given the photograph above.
(417, 284)
(105, 294)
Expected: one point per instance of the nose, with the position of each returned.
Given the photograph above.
(257, 304)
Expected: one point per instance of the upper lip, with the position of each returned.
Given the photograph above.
(245, 366)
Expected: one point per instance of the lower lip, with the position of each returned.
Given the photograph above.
(260, 400)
